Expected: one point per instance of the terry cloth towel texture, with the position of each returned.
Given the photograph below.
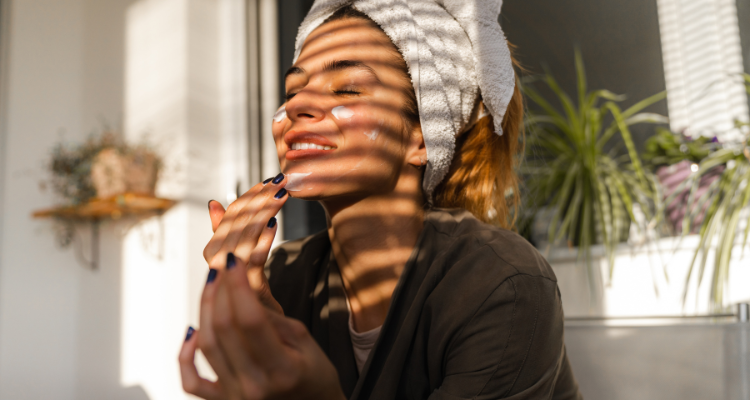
(455, 51)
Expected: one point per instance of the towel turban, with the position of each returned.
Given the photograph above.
(455, 51)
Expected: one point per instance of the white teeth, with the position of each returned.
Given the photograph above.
(305, 146)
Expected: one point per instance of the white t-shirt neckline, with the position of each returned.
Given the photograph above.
(362, 343)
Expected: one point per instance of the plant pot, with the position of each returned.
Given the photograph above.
(108, 173)
(143, 168)
(671, 177)
(114, 173)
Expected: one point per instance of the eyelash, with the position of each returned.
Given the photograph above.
(348, 92)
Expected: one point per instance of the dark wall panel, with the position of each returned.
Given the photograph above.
(619, 40)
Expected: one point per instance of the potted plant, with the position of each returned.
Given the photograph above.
(575, 165)
(103, 166)
(727, 205)
(675, 158)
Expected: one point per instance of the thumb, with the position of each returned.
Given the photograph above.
(259, 283)
(291, 331)
(216, 213)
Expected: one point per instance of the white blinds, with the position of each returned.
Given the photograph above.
(702, 63)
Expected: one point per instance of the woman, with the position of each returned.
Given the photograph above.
(407, 295)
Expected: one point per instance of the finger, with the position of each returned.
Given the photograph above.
(250, 378)
(256, 269)
(251, 232)
(252, 318)
(216, 213)
(239, 210)
(207, 339)
(247, 225)
(225, 225)
(192, 382)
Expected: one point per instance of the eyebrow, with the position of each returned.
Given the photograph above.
(334, 66)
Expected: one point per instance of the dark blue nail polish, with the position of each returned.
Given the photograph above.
(281, 193)
(231, 261)
(190, 333)
(268, 180)
(211, 275)
(271, 222)
(278, 178)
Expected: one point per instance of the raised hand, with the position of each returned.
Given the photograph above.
(255, 352)
(247, 229)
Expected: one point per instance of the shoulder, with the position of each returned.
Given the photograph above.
(293, 270)
(487, 268)
(293, 256)
(483, 246)
(289, 251)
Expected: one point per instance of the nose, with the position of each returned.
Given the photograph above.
(306, 106)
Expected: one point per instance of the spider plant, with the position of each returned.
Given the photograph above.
(575, 164)
(728, 199)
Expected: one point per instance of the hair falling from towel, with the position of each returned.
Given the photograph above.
(482, 178)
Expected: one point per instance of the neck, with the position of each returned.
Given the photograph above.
(372, 239)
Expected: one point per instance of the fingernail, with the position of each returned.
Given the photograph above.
(211, 275)
(190, 333)
(268, 180)
(272, 221)
(278, 178)
(209, 204)
(281, 193)
(231, 261)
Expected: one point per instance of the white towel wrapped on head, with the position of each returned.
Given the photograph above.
(455, 51)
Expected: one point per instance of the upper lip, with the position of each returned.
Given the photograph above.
(306, 137)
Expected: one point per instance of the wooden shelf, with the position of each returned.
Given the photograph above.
(113, 207)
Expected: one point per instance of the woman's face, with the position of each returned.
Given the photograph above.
(341, 132)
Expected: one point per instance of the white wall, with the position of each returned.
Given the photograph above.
(647, 280)
(66, 331)
(65, 72)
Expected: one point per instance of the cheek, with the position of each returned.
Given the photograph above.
(342, 113)
(280, 114)
(373, 134)
(279, 122)
(362, 119)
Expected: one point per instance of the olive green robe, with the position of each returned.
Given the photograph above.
(476, 314)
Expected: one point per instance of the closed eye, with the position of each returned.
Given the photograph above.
(289, 96)
(346, 92)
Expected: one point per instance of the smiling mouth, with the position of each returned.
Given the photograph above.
(310, 146)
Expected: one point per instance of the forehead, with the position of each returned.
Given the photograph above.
(350, 38)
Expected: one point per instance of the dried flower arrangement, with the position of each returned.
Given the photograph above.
(103, 166)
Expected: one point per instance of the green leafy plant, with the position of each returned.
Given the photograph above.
(728, 198)
(668, 148)
(673, 156)
(575, 167)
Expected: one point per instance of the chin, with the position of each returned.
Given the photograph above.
(327, 192)
(306, 194)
